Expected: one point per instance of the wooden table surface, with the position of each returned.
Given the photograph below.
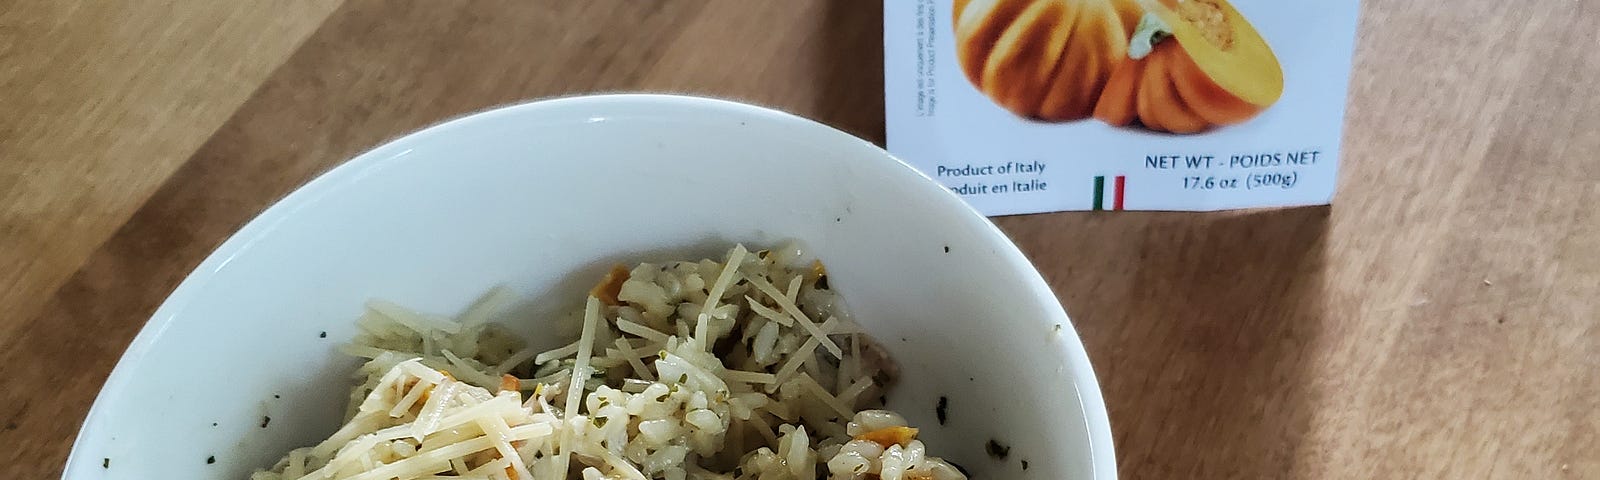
(1439, 321)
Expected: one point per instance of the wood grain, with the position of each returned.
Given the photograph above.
(1439, 321)
(101, 103)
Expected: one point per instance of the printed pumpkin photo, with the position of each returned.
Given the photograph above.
(1179, 66)
(1192, 65)
(1043, 59)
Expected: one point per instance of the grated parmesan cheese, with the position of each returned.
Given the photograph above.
(690, 374)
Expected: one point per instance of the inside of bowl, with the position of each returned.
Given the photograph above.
(239, 365)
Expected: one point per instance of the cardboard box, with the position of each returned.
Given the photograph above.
(1026, 106)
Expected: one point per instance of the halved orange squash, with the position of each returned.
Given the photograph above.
(1192, 65)
(1043, 59)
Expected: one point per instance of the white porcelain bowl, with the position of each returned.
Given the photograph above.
(541, 197)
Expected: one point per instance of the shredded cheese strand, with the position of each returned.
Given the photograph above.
(799, 317)
(807, 350)
(580, 371)
(749, 377)
(822, 394)
(641, 331)
(768, 313)
(558, 352)
(729, 271)
(633, 360)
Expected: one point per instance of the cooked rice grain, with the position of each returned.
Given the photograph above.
(745, 369)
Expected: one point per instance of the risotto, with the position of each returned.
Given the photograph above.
(744, 369)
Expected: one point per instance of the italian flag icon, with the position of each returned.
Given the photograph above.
(1114, 201)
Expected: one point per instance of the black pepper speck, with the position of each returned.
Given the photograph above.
(322, 335)
(265, 421)
(996, 450)
(1024, 464)
(211, 459)
(940, 411)
(105, 462)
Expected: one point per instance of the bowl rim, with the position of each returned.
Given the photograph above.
(1101, 450)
